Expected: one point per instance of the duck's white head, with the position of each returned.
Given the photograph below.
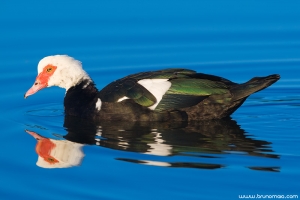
(59, 70)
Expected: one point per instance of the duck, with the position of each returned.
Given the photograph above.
(175, 94)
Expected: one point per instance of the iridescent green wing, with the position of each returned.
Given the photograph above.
(186, 92)
(196, 87)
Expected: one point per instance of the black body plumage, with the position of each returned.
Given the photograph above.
(192, 96)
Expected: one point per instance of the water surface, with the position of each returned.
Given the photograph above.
(254, 152)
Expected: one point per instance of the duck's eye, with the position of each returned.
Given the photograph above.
(49, 69)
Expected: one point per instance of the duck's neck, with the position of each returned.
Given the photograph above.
(80, 99)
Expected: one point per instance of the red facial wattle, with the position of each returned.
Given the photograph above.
(41, 80)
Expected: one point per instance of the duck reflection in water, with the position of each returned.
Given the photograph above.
(196, 140)
(57, 153)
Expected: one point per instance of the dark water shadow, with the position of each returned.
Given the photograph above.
(202, 140)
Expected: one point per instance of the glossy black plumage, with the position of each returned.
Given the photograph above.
(192, 96)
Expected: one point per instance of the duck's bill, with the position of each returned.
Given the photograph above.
(36, 87)
(41, 82)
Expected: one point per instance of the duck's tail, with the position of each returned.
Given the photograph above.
(256, 84)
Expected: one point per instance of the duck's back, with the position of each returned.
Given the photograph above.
(165, 89)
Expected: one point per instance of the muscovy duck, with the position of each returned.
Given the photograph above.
(164, 95)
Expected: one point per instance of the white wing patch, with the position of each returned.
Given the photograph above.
(158, 87)
(98, 104)
(123, 98)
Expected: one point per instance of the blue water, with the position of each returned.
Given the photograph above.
(257, 152)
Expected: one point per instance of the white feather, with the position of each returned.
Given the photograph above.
(98, 104)
(123, 98)
(158, 87)
(69, 71)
